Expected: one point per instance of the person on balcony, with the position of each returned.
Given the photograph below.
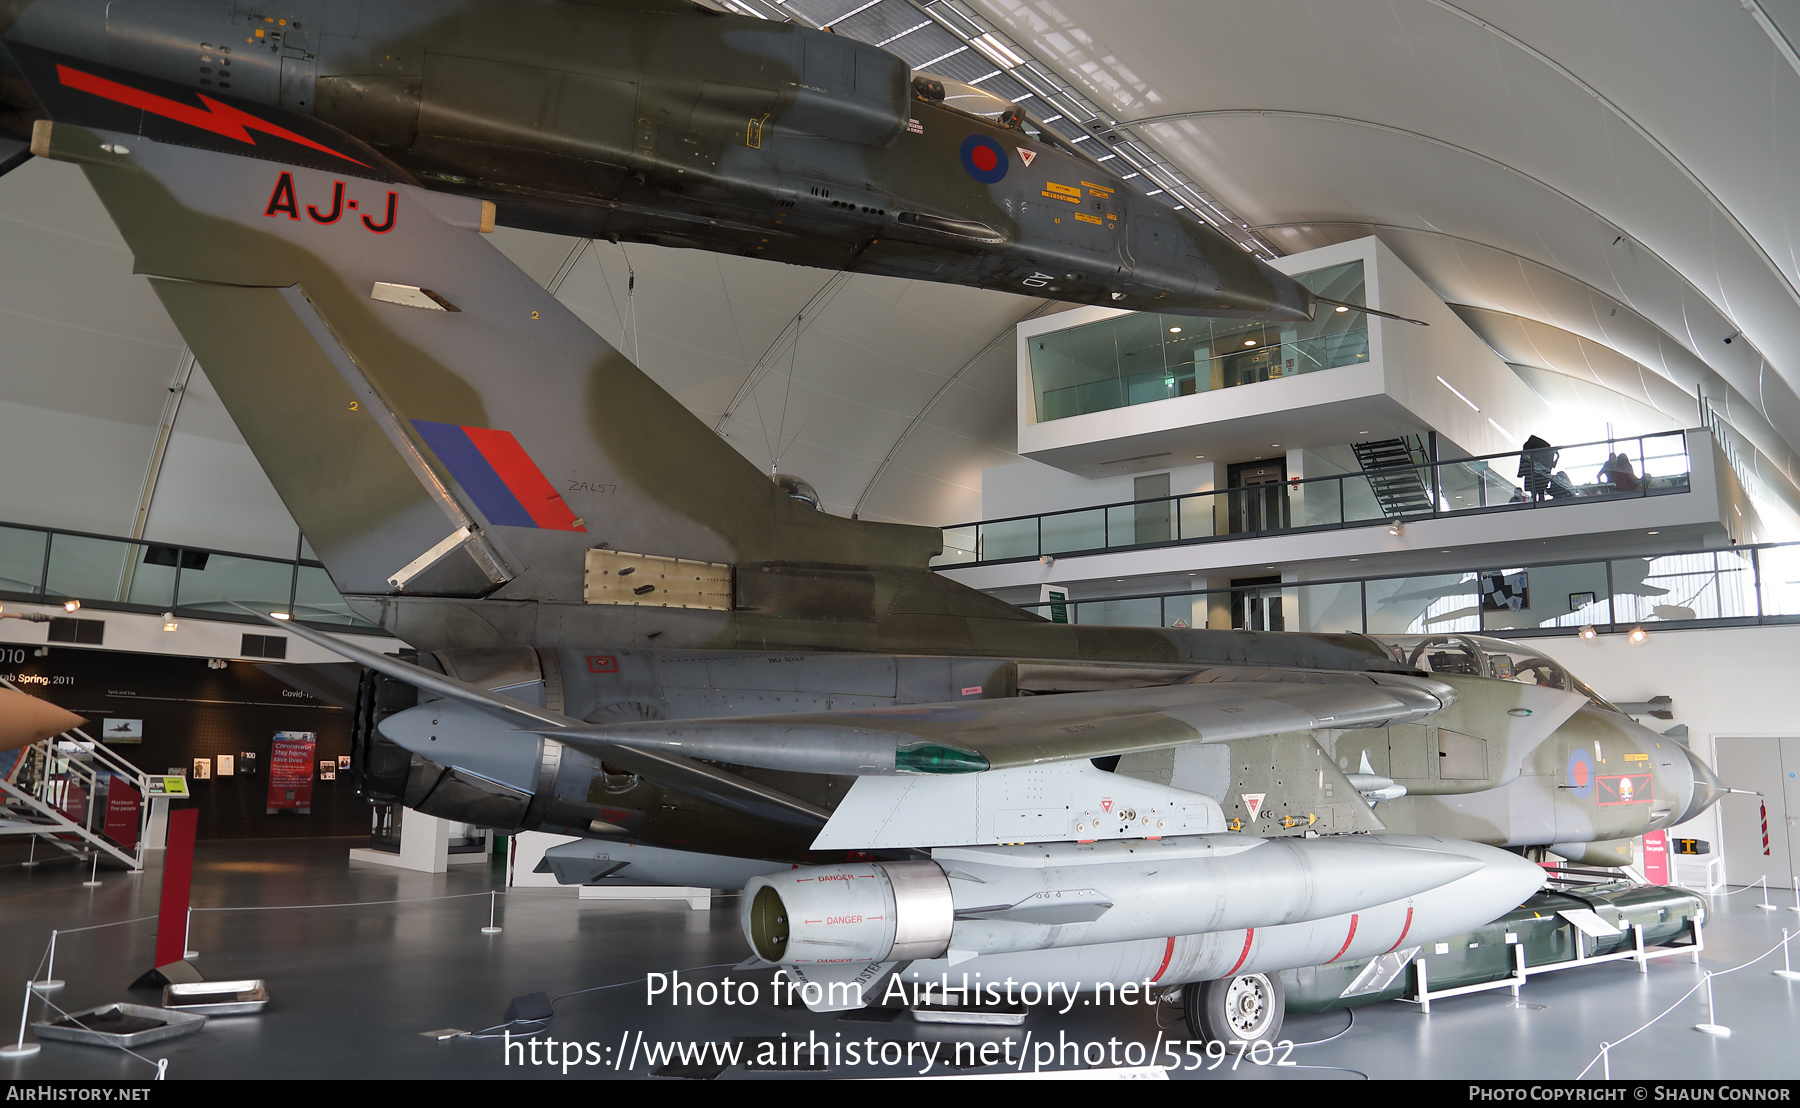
(1537, 461)
(1618, 473)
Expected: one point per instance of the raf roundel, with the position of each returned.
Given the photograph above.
(984, 159)
(1581, 774)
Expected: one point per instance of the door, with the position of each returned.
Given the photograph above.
(1151, 521)
(1256, 604)
(1256, 501)
(1771, 766)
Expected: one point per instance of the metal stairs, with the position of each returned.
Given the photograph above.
(1398, 474)
(52, 790)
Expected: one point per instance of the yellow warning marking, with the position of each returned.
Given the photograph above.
(1101, 190)
(1064, 190)
(1060, 196)
(1637, 757)
(1094, 219)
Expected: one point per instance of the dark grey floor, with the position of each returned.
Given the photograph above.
(353, 987)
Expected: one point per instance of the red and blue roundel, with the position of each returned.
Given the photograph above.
(1581, 774)
(984, 159)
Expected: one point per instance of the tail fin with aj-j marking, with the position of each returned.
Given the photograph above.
(436, 422)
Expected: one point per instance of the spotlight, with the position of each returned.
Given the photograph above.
(169, 623)
(1395, 527)
(71, 605)
(1174, 330)
(280, 615)
(1588, 632)
(1341, 308)
(1249, 342)
(1046, 559)
(1638, 636)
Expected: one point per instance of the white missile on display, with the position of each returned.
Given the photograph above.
(974, 901)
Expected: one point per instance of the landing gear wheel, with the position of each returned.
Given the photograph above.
(1247, 1008)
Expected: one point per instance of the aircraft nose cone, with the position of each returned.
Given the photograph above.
(1707, 787)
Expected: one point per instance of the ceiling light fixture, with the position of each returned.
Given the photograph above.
(1396, 527)
(1638, 636)
(1588, 632)
(1174, 330)
(1249, 342)
(280, 615)
(1341, 308)
(169, 623)
(71, 605)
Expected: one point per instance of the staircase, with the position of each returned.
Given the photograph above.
(53, 789)
(1398, 472)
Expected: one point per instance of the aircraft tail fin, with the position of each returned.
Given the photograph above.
(436, 422)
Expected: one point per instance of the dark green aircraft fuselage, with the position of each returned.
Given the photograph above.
(660, 122)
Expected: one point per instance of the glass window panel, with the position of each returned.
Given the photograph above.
(1140, 612)
(1705, 585)
(1184, 610)
(1075, 531)
(1013, 538)
(1359, 500)
(959, 546)
(1325, 608)
(1780, 568)
(1555, 596)
(1316, 503)
(316, 600)
(1140, 358)
(1424, 605)
(88, 569)
(1195, 518)
(21, 559)
(261, 584)
(152, 585)
(1121, 525)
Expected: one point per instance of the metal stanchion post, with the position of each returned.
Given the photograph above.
(1712, 1026)
(1606, 1060)
(93, 881)
(31, 860)
(22, 1049)
(1787, 963)
(162, 1069)
(1796, 907)
(1765, 905)
(49, 982)
(187, 933)
(493, 900)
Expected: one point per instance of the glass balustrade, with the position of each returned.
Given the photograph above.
(49, 565)
(1653, 465)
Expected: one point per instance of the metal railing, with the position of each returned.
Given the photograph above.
(1585, 473)
(59, 789)
(1737, 586)
(49, 565)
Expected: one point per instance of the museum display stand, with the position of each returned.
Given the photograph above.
(424, 846)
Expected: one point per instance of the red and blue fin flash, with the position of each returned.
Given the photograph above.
(506, 485)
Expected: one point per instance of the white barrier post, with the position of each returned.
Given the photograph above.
(1765, 905)
(1712, 1026)
(22, 1049)
(162, 1069)
(187, 932)
(493, 900)
(1796, 907)
(93, 881)
(1606, 1060)
(32, 859)
(49, 982)
(1787, 965)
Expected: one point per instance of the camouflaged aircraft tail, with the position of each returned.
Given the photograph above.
(437, 423)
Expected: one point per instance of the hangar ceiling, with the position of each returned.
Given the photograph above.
(1600, 191)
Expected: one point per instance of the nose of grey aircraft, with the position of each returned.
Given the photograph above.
(1707, 787)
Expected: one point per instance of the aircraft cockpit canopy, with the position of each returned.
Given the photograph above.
(1481, 656)
(982, 104)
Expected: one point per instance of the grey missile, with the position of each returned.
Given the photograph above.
(973, 901)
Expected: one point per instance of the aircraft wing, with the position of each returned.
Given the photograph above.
(1215, 705)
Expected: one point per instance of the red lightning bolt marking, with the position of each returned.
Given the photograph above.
(220, 119)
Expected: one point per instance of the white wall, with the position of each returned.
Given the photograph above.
(1725, 682)
(1028, 487)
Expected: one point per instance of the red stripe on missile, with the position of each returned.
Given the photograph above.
(1347, 939)
(220, 119)
(1249, 934)
(1403, 932)
(1168, 953)
(524, 478)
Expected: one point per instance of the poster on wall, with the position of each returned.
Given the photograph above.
(122, 803)
(122, 731)
(343, 761)
(224, 767)
(203, 769)
(291, 772)
(1505, 592)
(328, 770)
(247, 763)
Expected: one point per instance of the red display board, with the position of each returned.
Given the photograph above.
(291, 772)
(122, 803)
(177, 880)
(1656, 857)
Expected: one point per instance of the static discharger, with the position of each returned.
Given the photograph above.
(652, 581)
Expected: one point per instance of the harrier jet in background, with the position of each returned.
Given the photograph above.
(624, 632)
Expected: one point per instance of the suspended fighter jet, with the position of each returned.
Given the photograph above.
(627, 633)
(651, 121)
